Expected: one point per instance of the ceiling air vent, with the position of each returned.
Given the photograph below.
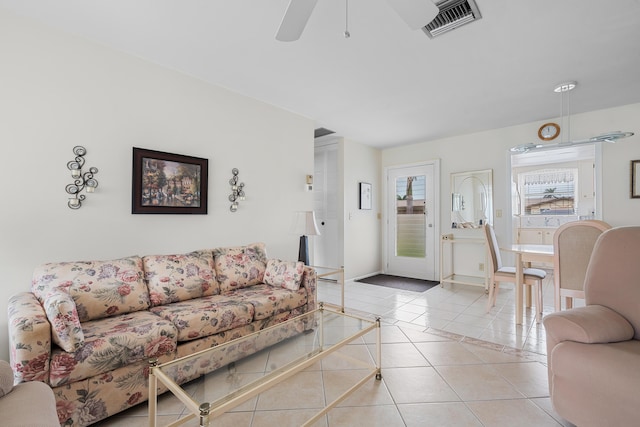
(322, 132)
(453, 14)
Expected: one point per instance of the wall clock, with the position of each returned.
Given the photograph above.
(548, 131)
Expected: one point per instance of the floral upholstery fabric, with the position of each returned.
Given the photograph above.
(99, 288)
(173, 278)
(66, 330)
(29, 338)
(268, 300)
(240, 267)
(113, 343)
(93, 399)
(284, 274)
(108, 372)
(206, 316)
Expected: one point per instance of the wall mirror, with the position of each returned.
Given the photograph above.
(471, 199)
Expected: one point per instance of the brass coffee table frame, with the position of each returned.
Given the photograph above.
(207, 411)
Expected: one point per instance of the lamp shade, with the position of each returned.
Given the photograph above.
(304, 223)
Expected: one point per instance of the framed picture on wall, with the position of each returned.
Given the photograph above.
(365, 195)
(635, 179)
(165, 183)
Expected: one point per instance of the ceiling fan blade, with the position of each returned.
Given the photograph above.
(416, 13)
(295, 19)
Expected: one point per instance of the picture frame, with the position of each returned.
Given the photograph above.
(635, 179)
(166, 183)
(365, 196)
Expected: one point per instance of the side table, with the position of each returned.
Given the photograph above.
(325, 272)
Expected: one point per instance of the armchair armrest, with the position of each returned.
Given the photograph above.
(29, 338)
(593, 324)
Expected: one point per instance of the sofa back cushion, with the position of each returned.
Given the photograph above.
(173, 278)
(99, 288)
(239, 267)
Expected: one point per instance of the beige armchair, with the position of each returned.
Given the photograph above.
(29, 404)
(572, 246)
(532, 276)
(593, 352)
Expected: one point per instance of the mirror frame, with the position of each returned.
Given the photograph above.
(468, 182)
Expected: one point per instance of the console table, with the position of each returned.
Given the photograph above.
(447, 241)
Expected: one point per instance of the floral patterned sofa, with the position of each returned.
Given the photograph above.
(88, 329)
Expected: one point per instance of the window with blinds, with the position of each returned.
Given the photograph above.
(548, 191)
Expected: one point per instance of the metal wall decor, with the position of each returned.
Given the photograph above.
(82, 180)
(237, 190)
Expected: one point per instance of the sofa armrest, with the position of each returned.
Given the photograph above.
(593, 324)
(310, 283)
(29, 338)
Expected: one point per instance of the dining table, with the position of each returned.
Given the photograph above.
(527, 253)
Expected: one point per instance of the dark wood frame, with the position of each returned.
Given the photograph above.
(635, 179)
(136, 194)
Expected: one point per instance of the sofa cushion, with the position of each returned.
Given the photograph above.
(173, 278)
(113, 343)
(284, 274)
(206, 316)
(99, 288)
(63, 316)
(268, 300)
(240, 267)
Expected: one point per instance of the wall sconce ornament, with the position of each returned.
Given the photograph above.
(82, 180)
(237, 190)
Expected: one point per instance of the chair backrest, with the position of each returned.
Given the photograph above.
(572, 246)
(492, 247)
(613, 275)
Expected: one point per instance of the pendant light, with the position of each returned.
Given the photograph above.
(565, 122)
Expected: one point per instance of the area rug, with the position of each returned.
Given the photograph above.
(397, 282)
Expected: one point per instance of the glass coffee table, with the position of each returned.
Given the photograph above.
(290, 347)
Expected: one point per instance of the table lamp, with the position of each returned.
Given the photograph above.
(304, 223)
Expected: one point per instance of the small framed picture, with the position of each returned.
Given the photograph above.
(365, 195)
(635, 179)
(165, 183)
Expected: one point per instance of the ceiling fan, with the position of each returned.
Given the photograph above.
(416, 13)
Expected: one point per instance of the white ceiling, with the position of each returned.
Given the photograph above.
(386, 85)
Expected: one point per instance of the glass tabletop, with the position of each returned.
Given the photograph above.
(267, 357)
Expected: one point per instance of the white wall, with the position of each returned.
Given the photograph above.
(59, 91)
(362, 235)
(490, 150)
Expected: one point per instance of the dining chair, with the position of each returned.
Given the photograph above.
(532, 276)
(573, 244)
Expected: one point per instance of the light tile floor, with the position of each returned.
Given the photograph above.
(445, 363)
(459, 309)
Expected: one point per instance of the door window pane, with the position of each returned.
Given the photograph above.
(410, 216)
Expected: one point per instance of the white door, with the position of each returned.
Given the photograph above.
(326, 250)
(412, 221)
